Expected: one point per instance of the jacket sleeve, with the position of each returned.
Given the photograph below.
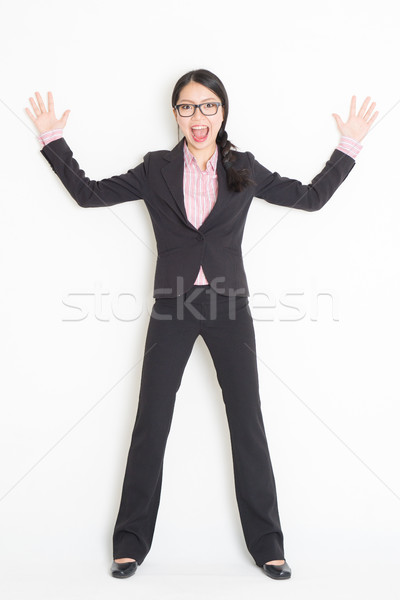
(292, 193)
(87, 192)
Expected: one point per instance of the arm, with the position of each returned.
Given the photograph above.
(292, 193)
(87, 193)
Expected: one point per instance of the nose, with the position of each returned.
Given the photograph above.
(197, 115)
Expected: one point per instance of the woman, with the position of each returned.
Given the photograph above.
(198, 196)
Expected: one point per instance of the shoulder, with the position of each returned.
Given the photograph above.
(155, 160)
(157, 155)
(161, 156)
(244, 159)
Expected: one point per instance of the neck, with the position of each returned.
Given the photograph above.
(202, 156)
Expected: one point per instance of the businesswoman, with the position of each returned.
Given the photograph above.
(198, 196)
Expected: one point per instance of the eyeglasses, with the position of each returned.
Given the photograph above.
(207, 108)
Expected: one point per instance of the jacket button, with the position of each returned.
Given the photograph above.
(200, 237)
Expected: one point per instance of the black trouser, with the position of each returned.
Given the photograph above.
(226, 325)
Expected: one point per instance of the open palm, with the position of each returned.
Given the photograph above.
(45, 120)
(357, 126)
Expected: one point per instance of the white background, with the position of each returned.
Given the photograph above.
(328, 371)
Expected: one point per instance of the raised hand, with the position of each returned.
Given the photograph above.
(357, 126)
(46, 119)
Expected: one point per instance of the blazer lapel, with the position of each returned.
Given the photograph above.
(173, 175)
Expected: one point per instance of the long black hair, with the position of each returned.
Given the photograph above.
(237, 179)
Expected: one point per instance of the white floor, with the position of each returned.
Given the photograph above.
(170, 581)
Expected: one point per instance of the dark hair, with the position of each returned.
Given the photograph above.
(237, 179)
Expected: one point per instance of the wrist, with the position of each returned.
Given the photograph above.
(349, 146)
(48, 136)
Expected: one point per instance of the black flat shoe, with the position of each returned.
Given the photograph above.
(277, 571)
(122, 570)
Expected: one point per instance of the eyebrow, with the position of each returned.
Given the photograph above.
(191, 101)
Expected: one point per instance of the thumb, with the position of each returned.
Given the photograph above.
(65, 116)
(338, 120)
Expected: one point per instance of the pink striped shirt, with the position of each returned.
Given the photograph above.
(349, 146)
(200, 188)
(49, 136)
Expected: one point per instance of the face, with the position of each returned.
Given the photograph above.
(199, 130)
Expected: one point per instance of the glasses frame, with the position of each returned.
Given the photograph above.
(177, 106)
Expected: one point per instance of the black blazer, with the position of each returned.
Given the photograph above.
(216, 244)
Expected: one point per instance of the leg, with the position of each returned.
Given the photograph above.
(236, 367)
(169, 343)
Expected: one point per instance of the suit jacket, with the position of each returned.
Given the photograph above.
(216, 244)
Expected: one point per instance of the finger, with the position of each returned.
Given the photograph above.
(35, 108)
(353, 106)
(50, 101)
(372, 119)
(364, 106)
(30, 115)
(369, 111)
(40, 102)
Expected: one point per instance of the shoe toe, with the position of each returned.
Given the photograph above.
(277, 571)
(122, 570)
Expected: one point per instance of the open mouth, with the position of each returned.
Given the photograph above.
(200, 133)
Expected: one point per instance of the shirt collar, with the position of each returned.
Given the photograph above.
(211, 163)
